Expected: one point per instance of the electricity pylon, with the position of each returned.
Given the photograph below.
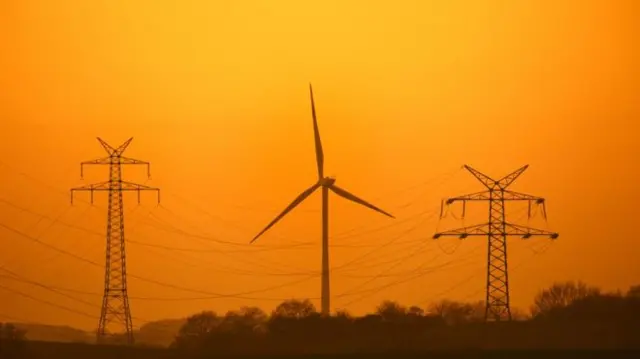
(115, 302)
(497, 230)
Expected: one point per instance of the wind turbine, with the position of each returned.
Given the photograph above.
(326, 183)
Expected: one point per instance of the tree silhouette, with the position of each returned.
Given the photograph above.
(560, 295)
(12, 341)
(391, 311)
(9, 331)
(518, 314)
(159, 333)
(197, 329)
(246, 321)
(295, 309)
(634, 291)
(343, 314)
(455, 313)
(415, 311)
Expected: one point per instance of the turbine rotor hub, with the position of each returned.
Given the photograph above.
(327, 181)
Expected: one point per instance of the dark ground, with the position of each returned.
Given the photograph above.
(50, 350)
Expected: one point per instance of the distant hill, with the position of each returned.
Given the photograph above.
(158, 333)
(55, 333)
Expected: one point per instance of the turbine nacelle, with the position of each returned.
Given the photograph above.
(327, 181)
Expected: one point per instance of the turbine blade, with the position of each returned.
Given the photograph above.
(291, 206)
(343, 193)
(316, 133)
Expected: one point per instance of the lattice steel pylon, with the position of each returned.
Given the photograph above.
(115, 303)
(497, 230)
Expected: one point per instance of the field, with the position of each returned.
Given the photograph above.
(51, 350)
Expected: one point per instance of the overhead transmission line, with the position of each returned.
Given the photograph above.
(233, 242)
(71, 310)
(478, 272)
(210, 295)
(209, 237)
(60, 291)
(240, 295)
(425, 271)
(366, 254)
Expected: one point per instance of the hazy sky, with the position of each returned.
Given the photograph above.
(215, 95)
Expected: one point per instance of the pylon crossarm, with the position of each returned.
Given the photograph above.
(107, 147)
(485, 195)
(507, 180)
(115, 152)
(114, 160)
(99, 161)
(132, 161)
(526, 232)
(516, 196)
(123, 146)
(486, 180)
(131, 186)
(107, 186)
(121, 160)
(93, 187)
(478, 196)
(475, 230)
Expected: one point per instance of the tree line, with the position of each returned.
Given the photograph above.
(569, 314)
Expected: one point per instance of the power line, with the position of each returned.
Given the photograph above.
(173, 229)
(60, 291)
(397, 263)
(96, 233)
(160, 283)
(209, 295)
(426, 271)
(71, 310)
(342, 235)
(298, 272)
(14, 319)
(192, 202)
(72, 226)
(262, 262)
(18, 277)
(393, 240)
(477, 273)
(63, 289)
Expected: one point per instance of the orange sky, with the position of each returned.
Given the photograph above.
(215, 95)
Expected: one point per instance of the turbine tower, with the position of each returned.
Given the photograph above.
(326, 183)
(115, 302)
(497, 230)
